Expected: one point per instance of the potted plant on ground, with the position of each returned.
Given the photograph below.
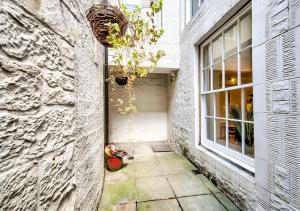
(114, 157)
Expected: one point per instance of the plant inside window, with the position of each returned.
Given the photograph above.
(249, 128)
(131, 36)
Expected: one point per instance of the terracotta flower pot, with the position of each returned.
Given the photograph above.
(114, 163)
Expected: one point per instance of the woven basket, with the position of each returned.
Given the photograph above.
(99, 15)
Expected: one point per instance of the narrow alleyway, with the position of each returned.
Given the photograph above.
(161, 181)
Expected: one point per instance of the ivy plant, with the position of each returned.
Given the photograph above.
(133, 51)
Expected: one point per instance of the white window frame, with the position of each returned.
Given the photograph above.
(234, 156)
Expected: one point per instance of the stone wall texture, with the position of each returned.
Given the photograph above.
(183, 128)
(275, 184)
(276, 63)
(51, 107)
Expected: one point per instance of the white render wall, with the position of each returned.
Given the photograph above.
(150, 122)
(169, 42)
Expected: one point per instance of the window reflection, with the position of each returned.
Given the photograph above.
(210, 129)
(230, 37)
(217, 73)
(249, 139)
(206, 56)
(209, 104)
(248, 107)
(235, 135)
(246, 31)
(220, 104)
(234, 101)
(221, 131)
(246, 66)
(231, 71)
(206, 79)
(217, 49)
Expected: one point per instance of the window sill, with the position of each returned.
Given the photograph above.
(227, 160)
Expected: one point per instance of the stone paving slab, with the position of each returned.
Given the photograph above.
(201, 203)
(187, 184)
(170, 163)
(160, 205)
(139, 158)
(119, 193)
(119, 186)
(150, 181)
(142, 148)
(226, 202)
(126, 171)
(208, 184)
(147, 169)
(121, 207)
(153, 188)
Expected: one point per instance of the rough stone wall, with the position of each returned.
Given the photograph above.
(182, 116)
(51, 127)
(276, 63)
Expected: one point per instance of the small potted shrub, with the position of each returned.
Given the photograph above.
(114, 157)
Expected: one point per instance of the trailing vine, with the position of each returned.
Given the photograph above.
(133, 52)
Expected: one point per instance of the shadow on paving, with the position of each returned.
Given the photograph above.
(161, 181)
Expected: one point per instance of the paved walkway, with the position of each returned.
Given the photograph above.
(159, 182)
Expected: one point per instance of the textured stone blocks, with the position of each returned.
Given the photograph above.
(281, 85)
(18, 189)
(20, 86)
(279, 17)
(39, 98)
(24, 140)
(57, 177)
(282, 172)
(281, 97)
(278, 204)
(281, 107)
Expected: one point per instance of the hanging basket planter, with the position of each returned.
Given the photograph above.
(121, 80)
(99, 15)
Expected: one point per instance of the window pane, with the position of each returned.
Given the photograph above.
(234, 100)
(221, 131)
(195, 6)
(231, 71)
(246, 31)
(249, 139)
(220, 104)
(217, 49)
(206, 56)
(235, 135)
(230, 37)
(209, 105)
(246, 66)
(206, 80)
(248, 93)
(210, 129)
(217, 73)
